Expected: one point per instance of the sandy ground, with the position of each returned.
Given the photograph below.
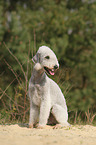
(21, 135)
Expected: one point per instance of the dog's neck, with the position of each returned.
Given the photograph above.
(38, 74)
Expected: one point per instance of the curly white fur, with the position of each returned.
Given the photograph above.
(45, 95)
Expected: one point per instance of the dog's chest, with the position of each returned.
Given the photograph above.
(37, 91)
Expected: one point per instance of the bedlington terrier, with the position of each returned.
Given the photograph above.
(45, 95)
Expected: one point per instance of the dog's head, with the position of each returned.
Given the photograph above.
(47, 59)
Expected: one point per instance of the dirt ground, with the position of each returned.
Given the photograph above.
(22, 135)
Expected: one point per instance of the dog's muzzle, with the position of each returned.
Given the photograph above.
(51, 71)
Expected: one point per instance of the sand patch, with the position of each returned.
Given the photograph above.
(76, 135)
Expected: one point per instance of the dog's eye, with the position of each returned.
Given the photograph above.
(47, 57)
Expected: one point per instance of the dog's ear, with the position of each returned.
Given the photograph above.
(36, 58)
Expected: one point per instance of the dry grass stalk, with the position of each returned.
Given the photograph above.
(90, 117)
(17, 77)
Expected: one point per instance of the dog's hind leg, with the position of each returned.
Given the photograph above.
(61, 115)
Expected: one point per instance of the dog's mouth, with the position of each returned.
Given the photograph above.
(50, 71)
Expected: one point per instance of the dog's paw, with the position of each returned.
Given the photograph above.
(30, 125)
(38, 126)
(57, 126)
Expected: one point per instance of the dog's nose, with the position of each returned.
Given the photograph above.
(55, 66)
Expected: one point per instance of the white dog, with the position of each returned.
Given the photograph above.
(45, 95)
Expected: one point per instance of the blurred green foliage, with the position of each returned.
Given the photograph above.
(69, 29)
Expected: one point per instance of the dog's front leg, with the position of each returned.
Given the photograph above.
(44, 112)
(34, 114)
